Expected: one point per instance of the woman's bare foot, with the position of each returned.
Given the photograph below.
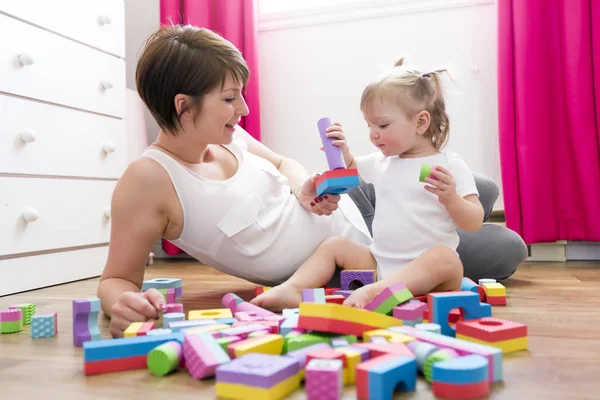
(279, 298)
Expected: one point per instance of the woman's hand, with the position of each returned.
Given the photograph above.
(134, 307)
(320, 205)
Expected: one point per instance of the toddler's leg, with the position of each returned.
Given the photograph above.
(316, 272)
(438, 269)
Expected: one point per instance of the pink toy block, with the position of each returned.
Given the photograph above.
(203, 354)
(243, 330)
(11, 315)
(410, 311)
(389, 298)
(235, 304)
(173, 308)
(324, 379)
(170, 296)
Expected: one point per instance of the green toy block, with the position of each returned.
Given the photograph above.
(28, 310)
(11, 326)
(425, 172)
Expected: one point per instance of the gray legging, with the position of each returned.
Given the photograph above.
(493, 251)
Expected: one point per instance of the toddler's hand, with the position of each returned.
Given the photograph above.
(320, 205)
(134, 307)
(444, 185)
(335, 131)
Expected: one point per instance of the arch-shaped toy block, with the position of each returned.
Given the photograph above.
(440, 305)
(379, 377)
(85, 320)
(354, 278)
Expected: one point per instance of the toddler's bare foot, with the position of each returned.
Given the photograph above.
(279, 298)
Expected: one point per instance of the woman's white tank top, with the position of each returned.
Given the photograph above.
(251, 225)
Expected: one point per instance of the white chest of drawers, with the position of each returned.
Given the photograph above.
(62, 137)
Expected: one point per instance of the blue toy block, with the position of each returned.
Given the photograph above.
(385, 377)
(110, 349)
(43, 326)
(461, 370)
(468, 285)
(162, 283)
(440, 305)
(339, 185)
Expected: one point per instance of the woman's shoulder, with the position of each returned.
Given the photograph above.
(145, 173)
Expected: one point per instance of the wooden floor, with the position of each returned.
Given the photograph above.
(560, 303)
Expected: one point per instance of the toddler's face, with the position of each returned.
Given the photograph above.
(390, 130)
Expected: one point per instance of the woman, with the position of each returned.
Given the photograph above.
(210, 188)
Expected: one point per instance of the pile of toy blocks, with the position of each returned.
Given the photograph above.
(18, 316)
(449, 339)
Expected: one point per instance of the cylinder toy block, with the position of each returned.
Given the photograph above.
(333, 153)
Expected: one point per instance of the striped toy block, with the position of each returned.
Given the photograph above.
(138, 329)
(210, 314)
(165, 358)
(288, 324)
(337, 181)
(162, 283)
(203, 355)
(44, 325)
(494, 289)
(389, 298)
(506, 335)
(440, 305)
(327, 354)
(168, 295)
(243, 330)
(28, 310)
(335, 318)
(85, 320)
(324, 379)
(316, 295)
(461, 347)
(454, 391)
(267, 344)
(256, 334)
(258, 377)
(461, 370)
(11, 321)
(380, 377)
(353, 279)
(246, 316)
(298, 341)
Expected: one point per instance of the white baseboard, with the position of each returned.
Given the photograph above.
(555, 251)
(588, 251)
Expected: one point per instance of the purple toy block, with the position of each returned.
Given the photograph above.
(300, 354)
(353, 279)
(324, 379)
(85, 320)
(178, 291)
(258, 370)
(335, 160)
(316, 295)
(410, 311)
(344, 293)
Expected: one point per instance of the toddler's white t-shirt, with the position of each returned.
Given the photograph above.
(408, 219)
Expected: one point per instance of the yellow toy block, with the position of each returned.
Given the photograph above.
(507, 346)
(354, 318)
(208, 328)
(494, 289)
(131, 331)
(392, 337)
(237, 391)
(216, 313)
(267, 344)
(352, 360)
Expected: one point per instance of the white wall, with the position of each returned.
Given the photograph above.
(316, 63)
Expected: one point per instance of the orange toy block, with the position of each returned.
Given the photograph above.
(335, 318)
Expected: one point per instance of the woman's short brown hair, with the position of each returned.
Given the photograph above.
(182, 59)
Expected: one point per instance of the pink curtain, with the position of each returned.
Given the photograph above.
(549, 116)
(235, 20)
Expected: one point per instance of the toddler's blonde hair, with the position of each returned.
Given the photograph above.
(413, 91)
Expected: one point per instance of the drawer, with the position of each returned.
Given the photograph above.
(97, 23)
(69, 212)
(65, 142)
(41, 65)
(34, 272)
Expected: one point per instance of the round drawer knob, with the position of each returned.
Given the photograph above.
(109, 147)
(107, 212)
(28, 135)
(106, 84)
(104, 20)
(30, 214)
(25, 59)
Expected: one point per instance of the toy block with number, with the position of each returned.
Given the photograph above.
(209, 314)
(440, 305)
(138, 329)
(258, 376)
(316, 295)
(85, 320)
(335, 318)
(44, 325)
(27, 309)
(506, 335)
(11, 321)
(162, 283)
(112, 355)
(203, 355)
(380, 377)
(461, 378)
(337, 181)
(353, 279)
(461, 347)
(389, 298)
(324, 379)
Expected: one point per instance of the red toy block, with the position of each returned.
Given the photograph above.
(461, 391)
(338, 173)
(496, 300)
(114, 365)
(380, 349)
(422, 299)
(329, 290)
(490, 329)
(334, 298)
(453, 317)
(327, 354)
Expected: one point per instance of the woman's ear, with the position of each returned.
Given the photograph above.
(423, 121)
(181, 104)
